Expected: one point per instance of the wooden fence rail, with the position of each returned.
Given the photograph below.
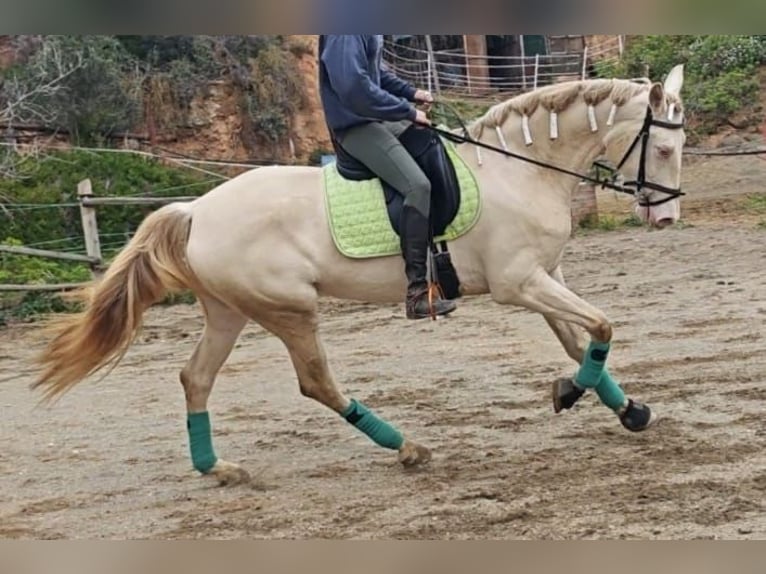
(42, 287)
(88, 205)
(95, 201)
(584, 205)
(16, 250)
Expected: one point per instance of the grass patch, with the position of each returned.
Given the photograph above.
(16, 307)
(756, 203)
(28, 307)
(609, 223)
(182, 298)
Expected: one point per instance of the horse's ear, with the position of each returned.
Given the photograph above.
(657, 98)
(675, 81)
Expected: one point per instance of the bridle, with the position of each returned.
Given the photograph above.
(635, 187)
(640, 182)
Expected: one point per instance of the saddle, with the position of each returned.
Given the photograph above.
(427, 148)
(428, 151)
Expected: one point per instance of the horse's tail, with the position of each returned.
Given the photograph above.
(152, 264)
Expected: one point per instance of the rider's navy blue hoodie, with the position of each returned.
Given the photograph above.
(354, 86)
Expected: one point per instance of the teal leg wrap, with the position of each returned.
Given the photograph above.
(589, 374)
(200, 441)
(609, 391)
(381, 432)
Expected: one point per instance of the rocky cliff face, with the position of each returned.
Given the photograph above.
(216, 123)
(216, 126)
(309, 130)
(212, 131)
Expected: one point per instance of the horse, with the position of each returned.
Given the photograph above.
(258, 247)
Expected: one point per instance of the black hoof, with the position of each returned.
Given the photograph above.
(637, 417)
(565, 394)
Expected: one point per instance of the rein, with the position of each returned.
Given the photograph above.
(626, 187)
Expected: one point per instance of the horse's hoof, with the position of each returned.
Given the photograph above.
(412, 454)
(637, 417)
(565, 394)
(229, 474)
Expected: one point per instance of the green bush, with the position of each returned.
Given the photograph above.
(274, 94)
(117, 75)
(186, 64)
(30, 215)
(21, 270)
(101, 96)
(709, 103)
(27, 218)
(720, 73)
(711, 56)
(658, 54)
(29, 306)
(17, 269)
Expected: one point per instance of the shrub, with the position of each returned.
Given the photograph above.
(116, 74)
(19, 269)
(27, 218)
(711, 56)
(719, 70)
(54, 181)
(29, 306)
(274, 94)
(102, 95)
(710, 103)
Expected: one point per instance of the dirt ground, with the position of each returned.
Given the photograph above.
(110, 460)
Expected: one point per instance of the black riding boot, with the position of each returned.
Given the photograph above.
(414, 236)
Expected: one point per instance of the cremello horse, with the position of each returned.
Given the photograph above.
(258, 247)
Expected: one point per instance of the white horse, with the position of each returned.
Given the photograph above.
(258, 247)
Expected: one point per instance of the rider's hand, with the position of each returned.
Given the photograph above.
(422, 118)
(424, 96)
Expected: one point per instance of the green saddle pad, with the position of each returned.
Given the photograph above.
(359, 218)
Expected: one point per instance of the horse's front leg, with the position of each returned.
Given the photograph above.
(565, 391)
(564, 311)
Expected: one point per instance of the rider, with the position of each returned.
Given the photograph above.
(366, 109)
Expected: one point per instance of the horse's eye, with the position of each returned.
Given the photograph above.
(664, 151)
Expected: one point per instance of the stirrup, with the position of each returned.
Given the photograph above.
(436, 305)
(434, 288)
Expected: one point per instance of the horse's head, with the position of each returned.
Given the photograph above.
(650, 148)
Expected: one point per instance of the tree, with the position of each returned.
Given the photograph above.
(23, 97)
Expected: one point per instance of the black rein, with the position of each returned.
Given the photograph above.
(639, 183)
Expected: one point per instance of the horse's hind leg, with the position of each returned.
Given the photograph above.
(222, 328)
(299, 332)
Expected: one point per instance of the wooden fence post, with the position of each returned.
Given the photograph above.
(89, 225)
(585, 63)
(584, 204)
(432, 67)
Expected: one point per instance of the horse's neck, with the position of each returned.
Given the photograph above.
(569, 141)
